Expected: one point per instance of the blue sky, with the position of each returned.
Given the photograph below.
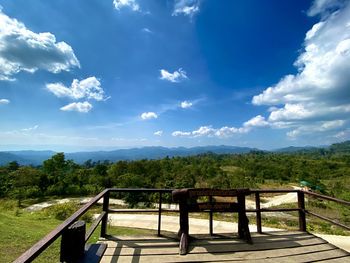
(83, 75)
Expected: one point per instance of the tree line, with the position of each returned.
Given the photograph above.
(58, 176)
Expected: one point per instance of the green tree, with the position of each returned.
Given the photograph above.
(25, 183)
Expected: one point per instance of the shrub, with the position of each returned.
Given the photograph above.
(65, 210)
(87, 217)
(62, 211)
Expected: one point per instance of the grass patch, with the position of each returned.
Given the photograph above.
(19, 230)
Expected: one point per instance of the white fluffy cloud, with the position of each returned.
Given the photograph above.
(203, 131)
(89, 88)
(158, 133)
(181, 134)
(4, 101)
(224, 132)
(319, 93)
(24, 50)
(317, 127)
(149, 115)
(186, 104)
(186, 7)
(83, 107)
(209, 131)
(325, 7)
(177, 76)
(257, 121)
(118, 4)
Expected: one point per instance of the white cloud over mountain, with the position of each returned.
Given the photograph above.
(223, 132)
(181, 134)
(317, 98)
(24, 50)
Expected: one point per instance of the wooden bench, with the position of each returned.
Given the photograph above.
(191, 200)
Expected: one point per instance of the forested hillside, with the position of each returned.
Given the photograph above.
(58, 176)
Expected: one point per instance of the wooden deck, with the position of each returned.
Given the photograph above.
(268, 247)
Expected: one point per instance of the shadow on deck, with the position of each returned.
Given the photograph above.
(281, 246)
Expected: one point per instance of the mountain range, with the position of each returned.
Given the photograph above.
(37, 157)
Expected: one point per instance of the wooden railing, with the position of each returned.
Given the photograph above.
(300, 209)
(159, 210)
(258, 210)
(102, 219)
(328, 198)
(41, 245)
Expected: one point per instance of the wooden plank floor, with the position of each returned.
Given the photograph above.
(280, 246)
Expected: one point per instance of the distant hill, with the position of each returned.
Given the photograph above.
(340, 148)
(37, 157)
(6, 157)
(294, 149)
(153, 153)
(336, 148)
(25, 157)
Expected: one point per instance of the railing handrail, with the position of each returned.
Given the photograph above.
(42, 244)
(147, 190)
(329, 198)
(274, 191)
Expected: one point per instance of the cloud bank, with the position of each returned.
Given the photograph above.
(223, 132)
(317, 98)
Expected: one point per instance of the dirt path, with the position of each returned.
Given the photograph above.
(80, 200)
(268, 202)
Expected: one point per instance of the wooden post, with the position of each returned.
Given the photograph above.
(243, 222)
(159, 213)
(184, 227)
(301, 206)
(105, 218)
(241, 204)
(211, 215)
(73, 243)
(258, 212)
(183, 246)
(183, 217)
